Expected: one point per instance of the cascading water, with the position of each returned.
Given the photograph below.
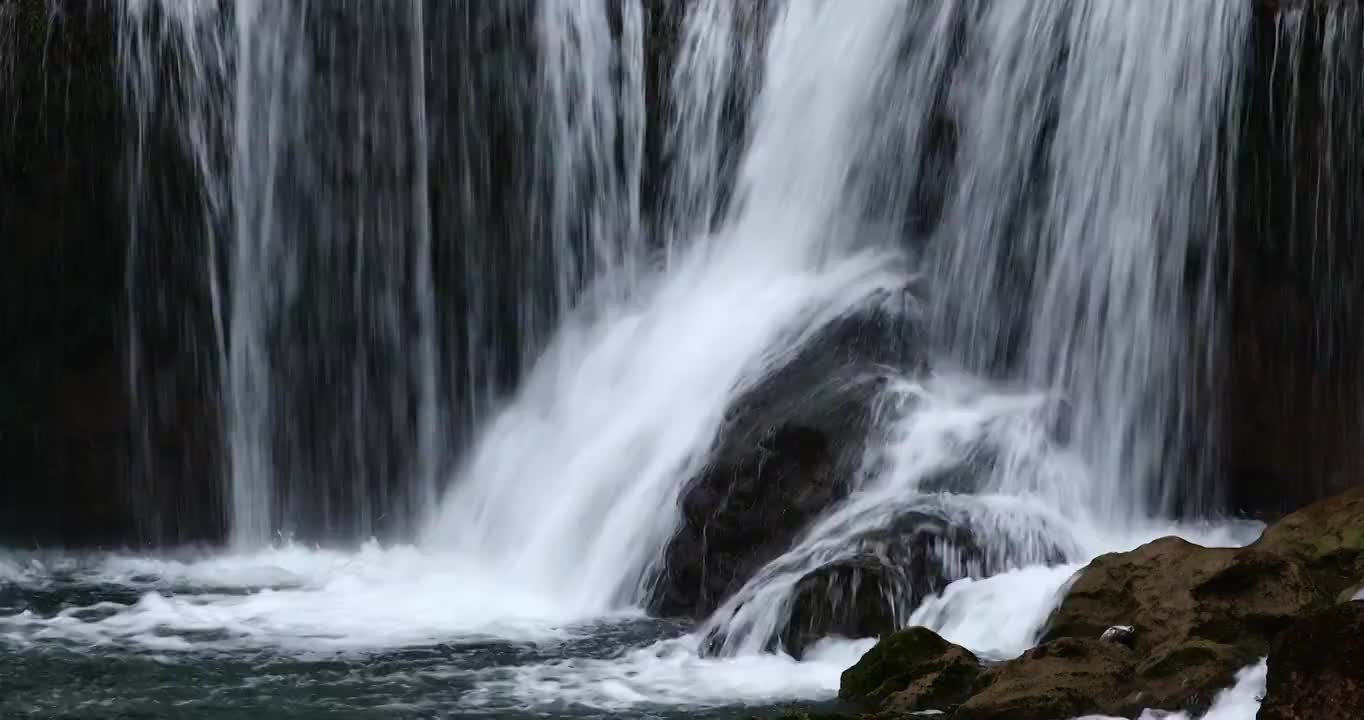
(1133, 228)
(484, 278)
(1130, 180)
(317, 252)
(573, 486)
(1084, 223)
(629, 394)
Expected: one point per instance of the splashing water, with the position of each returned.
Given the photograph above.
(574, 487)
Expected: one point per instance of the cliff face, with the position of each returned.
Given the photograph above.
(63, 411)
(1294, 396)
(87, 461)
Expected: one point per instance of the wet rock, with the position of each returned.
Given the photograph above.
(738, 517)
(1204, 613)
(1316, 667)
(1354, 592)
(896, 569)
(850, 599)
(1063, 678)
(1327, 537)
(788, 451)
(912, 670)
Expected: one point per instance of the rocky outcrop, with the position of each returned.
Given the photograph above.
(909, 671)
(1200, 614)
(788, 451)
(918, 555)
(738, 517)
(1064, 678)
(1197, 616)
(1316, 667)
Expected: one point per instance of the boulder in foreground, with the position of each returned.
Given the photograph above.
(1316, 667)
(912, 670)
(1198, 616)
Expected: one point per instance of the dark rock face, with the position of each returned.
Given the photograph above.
(1291, 399)
(788, 452)
(1316, 667)
(852, 599)
(736, 518)
(910, 671)
(870, 595)
(64, 412)
(866, 583)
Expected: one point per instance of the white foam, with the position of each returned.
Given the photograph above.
(672, 673)
(12, 571)
(302, 600)
(998, 616)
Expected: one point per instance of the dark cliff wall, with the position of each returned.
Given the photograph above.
(63, 411)
(1293, 411)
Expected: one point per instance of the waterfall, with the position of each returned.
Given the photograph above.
(307, 135)
(592, 136)
(1081, 238)
(1132, 233)
(434, 258)
(1081, 224)
(573, 488)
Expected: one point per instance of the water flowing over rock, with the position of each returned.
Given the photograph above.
(789, 451)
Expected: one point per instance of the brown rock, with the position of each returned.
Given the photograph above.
(1064, 678)
(912, 670)
(1199, 616)
(1316, 668)
(1327, 536)
(1201, 613)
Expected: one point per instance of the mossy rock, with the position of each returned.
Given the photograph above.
(912, 670)
(1063, 678)
(1201, 614)
(1328, 536)
(1186, 676)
